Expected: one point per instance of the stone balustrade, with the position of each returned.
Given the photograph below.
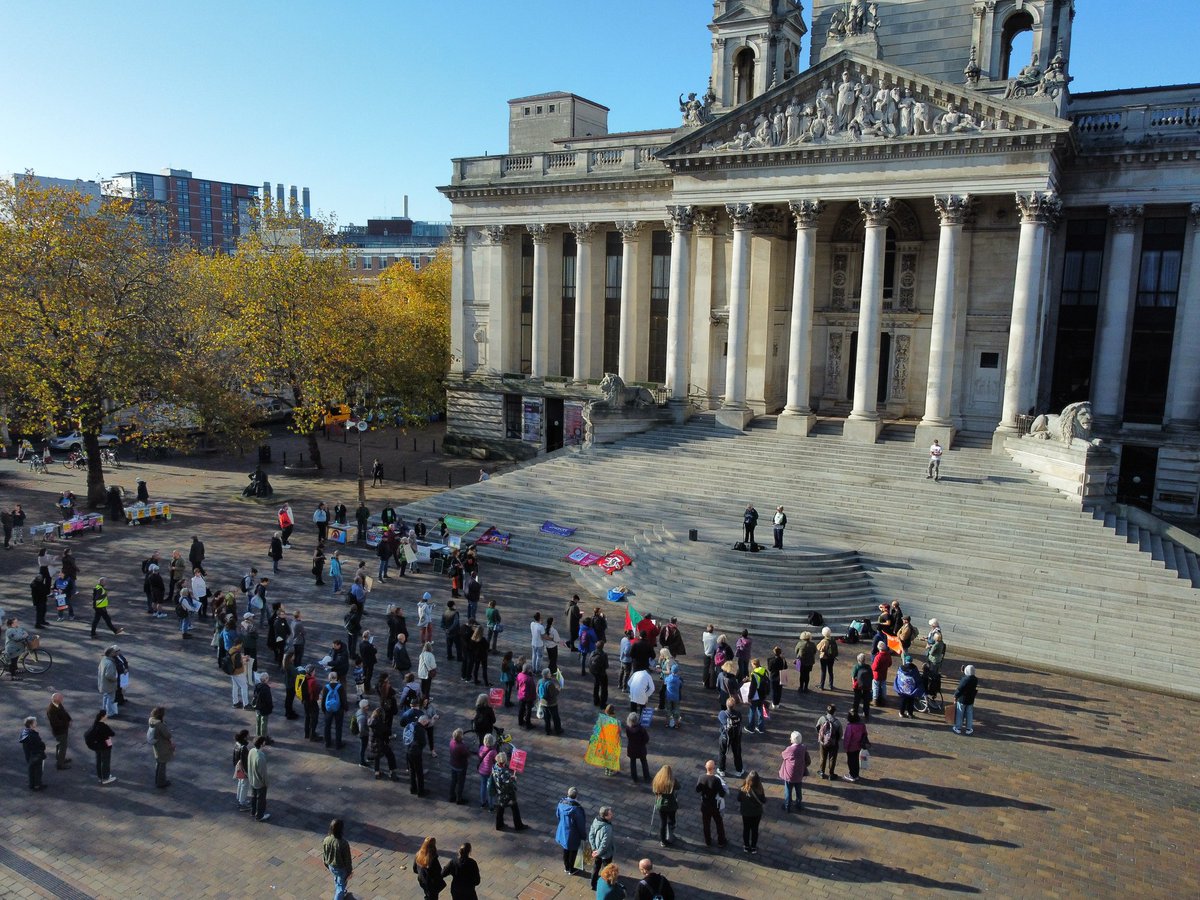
(1139, 125)
(632, 159)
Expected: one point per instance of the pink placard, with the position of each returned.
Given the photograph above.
(496, 697)
(517, 763)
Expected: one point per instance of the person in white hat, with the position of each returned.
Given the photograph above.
(425, 617)
(964, 701)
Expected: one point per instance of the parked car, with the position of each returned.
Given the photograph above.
(74, 441)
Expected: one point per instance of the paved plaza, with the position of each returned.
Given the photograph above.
(1068, 788)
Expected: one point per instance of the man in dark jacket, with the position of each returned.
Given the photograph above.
(196, 555)
(711, 788)
(652, 884)
(574, 615)
(35, 752)
(353, 622)
(264, 705)
(60, 726)
(39, 589)
(964, 701)
(598, 668)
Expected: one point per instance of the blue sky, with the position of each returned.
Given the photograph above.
(365, 102)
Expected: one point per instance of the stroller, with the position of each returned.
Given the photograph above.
(932, 700)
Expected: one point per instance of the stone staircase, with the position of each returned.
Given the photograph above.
(1174, 556)
(1010, 568)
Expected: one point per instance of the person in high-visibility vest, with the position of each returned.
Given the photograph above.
(100, 608)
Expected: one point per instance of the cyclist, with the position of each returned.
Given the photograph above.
(16, 639)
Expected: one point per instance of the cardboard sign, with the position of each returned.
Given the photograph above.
(517, 763)
(647, 717)
(495, 696)
(337, 533)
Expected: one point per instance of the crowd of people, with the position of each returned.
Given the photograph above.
(260, 645)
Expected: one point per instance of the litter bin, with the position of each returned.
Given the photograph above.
(693, 534)
(264, 453)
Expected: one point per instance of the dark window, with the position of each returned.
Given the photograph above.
(612, 301)
(567, 358)
(989, 360)
(660, 281)
(526, 355)
(512, 416)
(743, 75)
(1079, 298)
(1154, 320)
(1016, 45)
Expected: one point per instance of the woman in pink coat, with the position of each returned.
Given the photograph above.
(792, 771)
(854, 741)
(526, 695)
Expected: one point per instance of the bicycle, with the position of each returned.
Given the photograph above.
(37, 465)
(34, 660)
(108, 457)
(76, 460)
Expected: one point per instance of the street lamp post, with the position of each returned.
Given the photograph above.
(360, 426)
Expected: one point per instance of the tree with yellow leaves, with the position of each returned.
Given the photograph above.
(86, 293)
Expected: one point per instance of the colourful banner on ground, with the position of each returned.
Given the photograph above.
(460, 524)
(582, 557)
(604, 748)
(615, 561)
(492, 536)
(549, 527)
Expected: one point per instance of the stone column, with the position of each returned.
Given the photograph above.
(540, 357)
(943, 357)
(863, 425)
(1115, 318)
(500, 319)
(585, 301)
(631, 232)
(798, 416)
(734, 411)
(459, 341)
(700, 356)
(1183, 387)
(679, 221)
(1039, 212)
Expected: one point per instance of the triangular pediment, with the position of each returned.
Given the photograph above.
(831, 105)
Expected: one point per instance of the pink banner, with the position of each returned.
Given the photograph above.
(582, 557)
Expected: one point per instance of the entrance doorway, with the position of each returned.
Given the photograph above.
(885, 358)
(1135, 481)
(554, 424)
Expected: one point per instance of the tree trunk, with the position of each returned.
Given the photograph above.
(314, 449)
(97, 493)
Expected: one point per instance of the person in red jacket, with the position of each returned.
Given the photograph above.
(879, 672)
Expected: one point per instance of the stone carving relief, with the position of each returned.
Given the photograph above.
(496, 234)
(906, 287)
(1072, 427)
(1040, 207)
(630, 231)
(806, 212)
(479, 336)
(457, 236)
(584, 231)
(1126, 218)
(539, 234)
(706, 221)
(757, 217)
(900, 366)
(680, 218)
(697, 111)
(617, 393)
(856, 18)
(854, 110)
(839, 279)
(833, 363)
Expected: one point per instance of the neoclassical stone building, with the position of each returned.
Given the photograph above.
(914, 226)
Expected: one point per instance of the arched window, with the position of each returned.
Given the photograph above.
(1016, 46)
(743, 75)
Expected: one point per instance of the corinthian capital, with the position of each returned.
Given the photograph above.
(496, 234)
(806, 212)
(754, 216)
(1040, 207)
(706, 220)
(457, 236)
(876, 211)
(584, 231)
(1194, 213)
(539, 233)
(630, 230)
(953, 209)
(680, 218)
(1126, 217)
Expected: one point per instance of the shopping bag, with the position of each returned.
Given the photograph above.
(864, 760)
(949, 712)
(584, 859)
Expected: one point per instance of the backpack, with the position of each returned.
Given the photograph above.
(90, 739)
(541, 689)
(593, 663)
(247, 583)
(815, 618)
(181, 610)
(333, 697)
(827, 733)
(227, 664)
(655, 893)
(410, 733)
(720, 658)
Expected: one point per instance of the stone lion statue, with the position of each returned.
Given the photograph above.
(1072, 427)
(618, 394)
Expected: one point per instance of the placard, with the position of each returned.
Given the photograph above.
(517, 762)
(496, 697)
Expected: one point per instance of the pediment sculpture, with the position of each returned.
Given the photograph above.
(1032, 81)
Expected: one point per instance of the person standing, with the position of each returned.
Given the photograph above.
(855, 740)
(108, 679)
(177, 569)
(416, 739)
(751, 799)
(332, 700)
(600, 839)
(537, 634)
(749, 523)
(264, 705)
(99, 739)
(964, 701)
(35, 752)
(827, 652)
(196, 555)
(18, 518)
(39, 590)
(741, 652)
(880, 665)
(463, 873)
(637, 740)
(708, 641)
(572, 825)
(504, 788)
(318, 565)
(335, 853)
(60, 726)
(428, 870)
(376, 472)
(574, 616)
(653, 884)
(156, 591)
(100, 608)
(275, 551)
(425, 618)
(241, 757)
(335, 571)
(775, 667)
(641, 688)
(321, 520)
(936, 654)
(711, 788)
(353, 624)
(451, 626)
(792, 771)
(729, 721)
(426, 668)
(526, 694)
(256, 774)
(829, 736)
(935, 461)
(861, 678)
(159, 737)
(597, 665)
(548, 692)
(362, 519)
(780, 523)
(666, 803)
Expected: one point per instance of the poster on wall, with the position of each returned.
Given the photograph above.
(573, 424)
(531, 425)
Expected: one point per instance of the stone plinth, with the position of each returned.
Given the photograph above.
(944, 434)
(799, 424)
(862, 431)
(737, 419)
(1076, 472)
(604, 425)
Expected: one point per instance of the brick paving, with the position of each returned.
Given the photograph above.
(1067, 789)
